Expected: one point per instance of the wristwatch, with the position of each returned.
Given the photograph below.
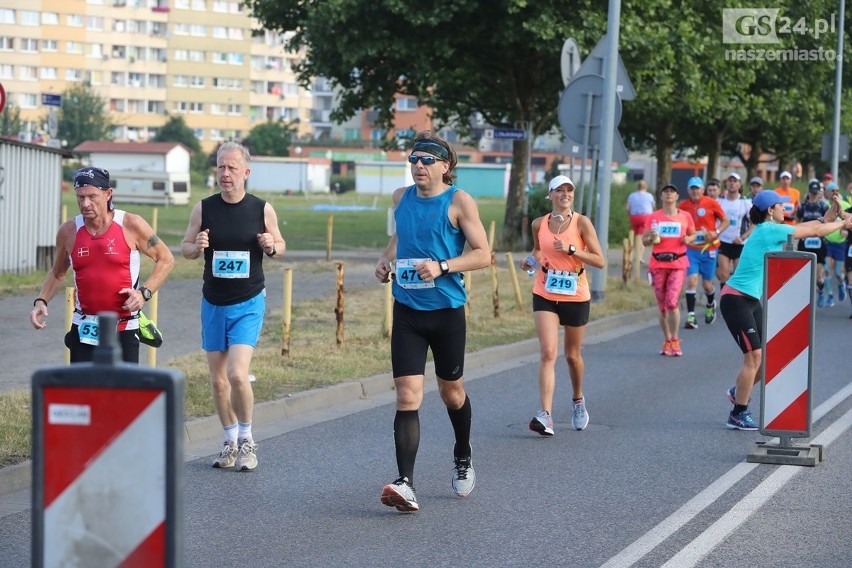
(445, 268)
(146, 293)
(571, 250)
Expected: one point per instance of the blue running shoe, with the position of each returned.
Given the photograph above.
(821, 300)
(841, 292)
(741, 421)
(830, 302)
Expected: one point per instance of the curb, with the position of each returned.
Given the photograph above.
(200, 431)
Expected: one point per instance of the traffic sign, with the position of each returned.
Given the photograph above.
(510, 134)
(49, 99)
(2, 97)
(569, 61)
(594, 65)
(575, 112)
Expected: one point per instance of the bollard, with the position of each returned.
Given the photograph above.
(287, 307)
(107, 462)
(495, 287)
(329, 231)
(338, 310)
(787, 364)
(69, 317)
(514, 276)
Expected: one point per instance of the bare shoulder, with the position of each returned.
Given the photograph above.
(397, 194)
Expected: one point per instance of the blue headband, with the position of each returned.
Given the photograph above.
(432, 148)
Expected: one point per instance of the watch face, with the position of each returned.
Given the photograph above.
(146, 293)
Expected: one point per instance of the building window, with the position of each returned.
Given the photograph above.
(196, 55)
(73, 47)
(50, 18)
(49, 45)
(95, 24)
(47, 73)
(7, 43)
(74, 20)
(197, 82)
(30, 18)
(27, 73)
(27, 100)
(7, 71)
(181, 55)
(73, 75)
(406, 104)
(158, 186)
(7, 16)
(180, 187)
(180, 81)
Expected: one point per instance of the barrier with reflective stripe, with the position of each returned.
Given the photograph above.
(788, 325)
(107, 462)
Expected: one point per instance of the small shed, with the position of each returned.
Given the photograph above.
(149, 172)
(30, 205)
(281, 175)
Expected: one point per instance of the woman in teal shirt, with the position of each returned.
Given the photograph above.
(740, 303)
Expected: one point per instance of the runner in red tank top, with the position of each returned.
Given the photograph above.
(102, 246)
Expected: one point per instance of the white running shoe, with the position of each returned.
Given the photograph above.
(400, 494)
(542, 423)
(464, 478)
(581, 417)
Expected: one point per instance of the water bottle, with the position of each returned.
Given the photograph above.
(655, 228)
(530, 260)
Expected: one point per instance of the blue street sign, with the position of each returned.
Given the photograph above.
(510, 133)
(49, 99)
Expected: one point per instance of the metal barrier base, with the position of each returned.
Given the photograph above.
(792, 454)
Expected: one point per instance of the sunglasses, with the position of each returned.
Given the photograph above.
(427, 160)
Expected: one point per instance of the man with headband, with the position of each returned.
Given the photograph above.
(434, 221)
(102, 245)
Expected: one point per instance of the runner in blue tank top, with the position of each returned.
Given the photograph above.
(434, 220)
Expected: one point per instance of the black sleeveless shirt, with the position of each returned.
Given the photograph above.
(233, 270)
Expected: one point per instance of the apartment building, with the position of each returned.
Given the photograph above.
(205, 60)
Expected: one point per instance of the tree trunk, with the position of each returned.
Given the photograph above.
(515, 222)
(664, 154)
(714, 153)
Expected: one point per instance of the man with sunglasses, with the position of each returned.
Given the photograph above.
(434, 221)
(102, 245)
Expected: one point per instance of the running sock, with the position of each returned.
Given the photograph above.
(711, 298)
(244, 431)
(460, 420)
(406, 439)
(230, 433)
(740, 408)
(820, 287)
(690, 301)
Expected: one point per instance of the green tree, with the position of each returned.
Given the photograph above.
(83, 116)
(271, 138)
(460, 59)
(10, 120)
(176, 130)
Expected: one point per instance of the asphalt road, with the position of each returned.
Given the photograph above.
(655, 480)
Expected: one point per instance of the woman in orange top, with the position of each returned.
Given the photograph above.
(564, 241)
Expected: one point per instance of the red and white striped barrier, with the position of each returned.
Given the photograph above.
(107, 463)
(788, 323)
(100, 493)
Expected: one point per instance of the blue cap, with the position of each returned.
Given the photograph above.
(767, 198)
(695, 182)
(832, 186)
